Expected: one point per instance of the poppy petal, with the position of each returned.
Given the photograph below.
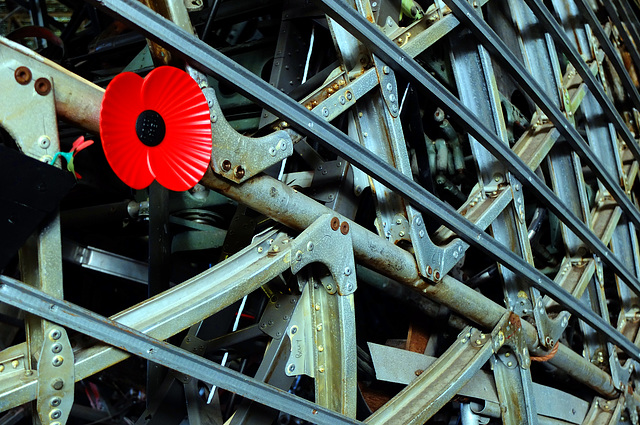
(127, 155)
(182, 158)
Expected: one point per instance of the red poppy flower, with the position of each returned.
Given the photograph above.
(156, 128)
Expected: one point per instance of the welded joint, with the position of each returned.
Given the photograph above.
(509, 332)
(56, 376)
(237, 157)
(327, 241)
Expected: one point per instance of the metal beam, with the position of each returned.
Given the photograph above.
(203, 57)
(135, 342)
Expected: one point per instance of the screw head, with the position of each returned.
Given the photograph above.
(292, 367)
(294, 330)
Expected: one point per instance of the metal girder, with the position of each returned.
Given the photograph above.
(135, 342)
(207, 59)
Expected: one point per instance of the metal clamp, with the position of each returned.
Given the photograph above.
(237, 157)
(327, 241)
(56, 376)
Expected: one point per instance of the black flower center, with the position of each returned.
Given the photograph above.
(150, 128)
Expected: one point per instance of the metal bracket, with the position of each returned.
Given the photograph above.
(237, 157)
(301, 358)
(620, 374)
(604, 411)
(549, 330)
(509, 332)
(327, 241)
(277, 314)
(434, 261)
(388, 86)
(56, 376)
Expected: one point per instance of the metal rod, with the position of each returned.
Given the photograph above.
(209, 60)
(135, 342)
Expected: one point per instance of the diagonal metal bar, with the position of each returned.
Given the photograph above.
(204, 57)
(519, 73)
(630, 17)
(608, 48)
(386, 49)
(31, 300)
(631, 47)
(553, 28)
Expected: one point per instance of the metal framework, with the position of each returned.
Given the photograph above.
(536, 105)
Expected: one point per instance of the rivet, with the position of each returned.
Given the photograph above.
(56, 348)
(23, 75)
(344, 228)
(321, 369)
(294, 330)
(57, 361)
(15, 364)
(239, 172)
(292, 367)
(226, 165)
(44, 142)
(42, 86)
(319, 328)
(299, 255)
(55, 414)
(55, 334)
(310, 246)
(320, 348)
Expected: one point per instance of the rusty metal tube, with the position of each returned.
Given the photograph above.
(291, 208)
(79, 101)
